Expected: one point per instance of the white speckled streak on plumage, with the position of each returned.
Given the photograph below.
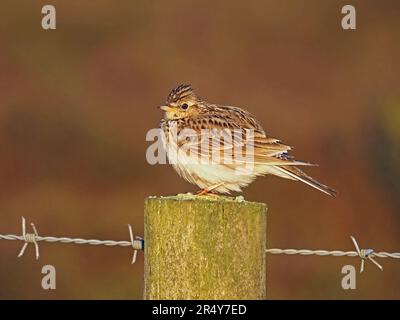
(270, 155)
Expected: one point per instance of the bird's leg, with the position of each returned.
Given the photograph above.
(207, 191)
(202, 192)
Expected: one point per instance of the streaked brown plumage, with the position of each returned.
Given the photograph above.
(184, 111)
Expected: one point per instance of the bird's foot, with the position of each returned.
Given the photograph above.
(208, 191)
(204, 192)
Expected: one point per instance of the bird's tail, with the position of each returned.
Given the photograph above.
(298, 175)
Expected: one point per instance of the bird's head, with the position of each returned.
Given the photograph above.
(181, 103)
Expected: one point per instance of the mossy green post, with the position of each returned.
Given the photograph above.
(204, 247)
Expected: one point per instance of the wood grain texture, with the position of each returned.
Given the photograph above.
(204, 248)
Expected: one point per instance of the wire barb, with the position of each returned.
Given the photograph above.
(365, 254)
(134, 243)
(29, 238)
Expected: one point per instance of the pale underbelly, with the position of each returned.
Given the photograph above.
(206, 175)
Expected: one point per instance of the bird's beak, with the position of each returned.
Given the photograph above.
(164, 108)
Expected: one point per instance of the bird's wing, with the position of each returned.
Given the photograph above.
(225, 141)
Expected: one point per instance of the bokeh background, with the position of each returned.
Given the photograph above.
(76, 103)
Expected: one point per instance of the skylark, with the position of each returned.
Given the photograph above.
(223, 148)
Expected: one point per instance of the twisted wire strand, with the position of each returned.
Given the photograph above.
(336, 253)
(136, 243)
(363, 254)
(93, 242)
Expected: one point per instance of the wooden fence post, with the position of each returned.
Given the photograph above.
(204, 247)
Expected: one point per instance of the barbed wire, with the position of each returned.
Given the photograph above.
(137, 243)
(364, 254)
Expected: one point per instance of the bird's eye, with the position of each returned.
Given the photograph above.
(184, 106)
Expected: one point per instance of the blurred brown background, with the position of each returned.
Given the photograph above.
(76, 103)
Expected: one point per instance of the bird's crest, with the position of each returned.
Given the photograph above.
(180, 92)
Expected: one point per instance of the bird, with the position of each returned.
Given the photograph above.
(190, 128)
